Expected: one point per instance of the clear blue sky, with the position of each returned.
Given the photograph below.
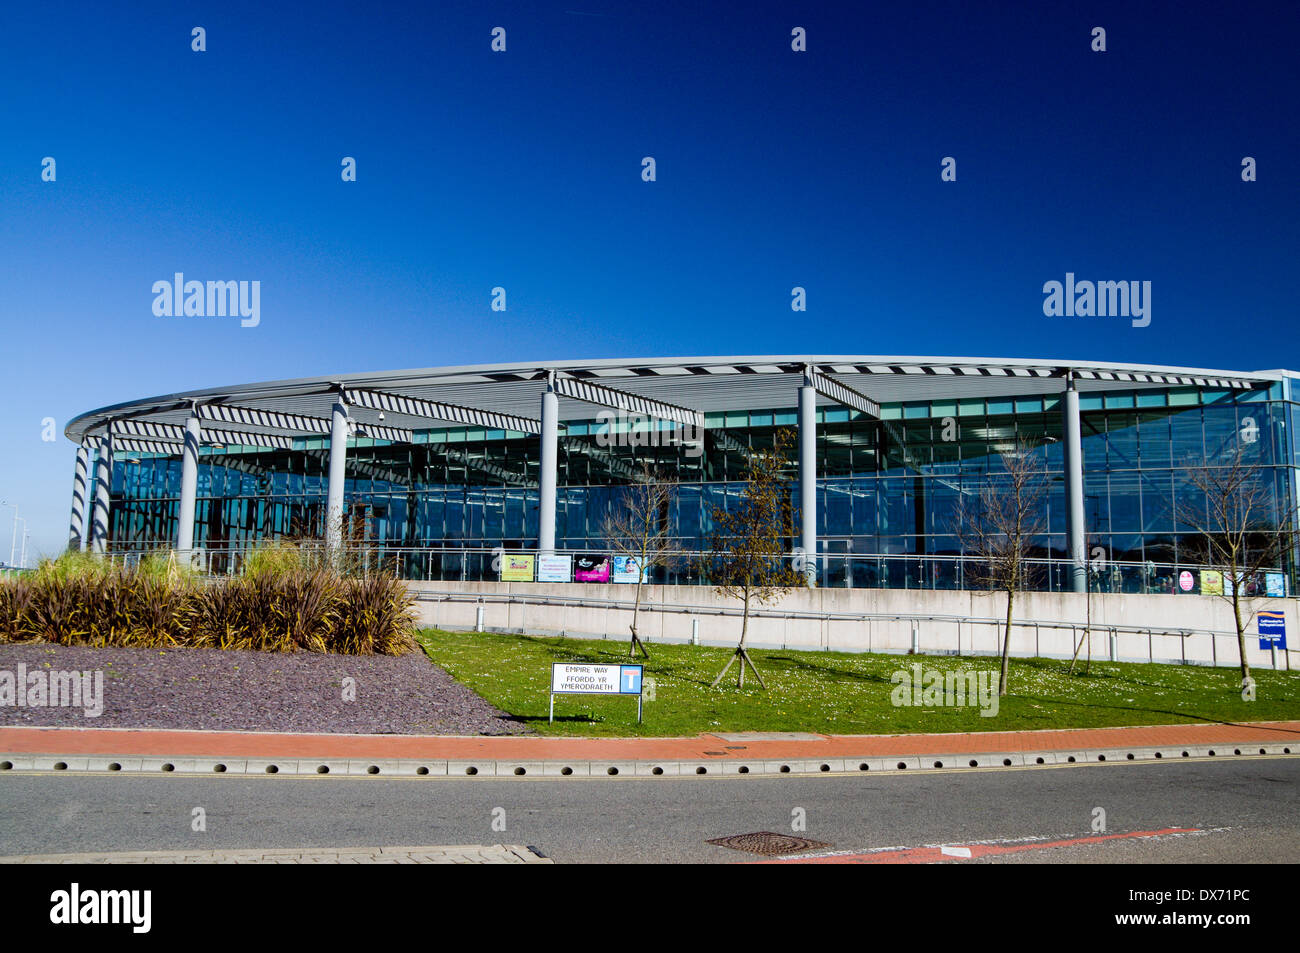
(522, 169)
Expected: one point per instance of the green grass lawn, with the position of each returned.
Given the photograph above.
(841, 693)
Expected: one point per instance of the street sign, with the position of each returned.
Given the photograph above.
(1272, 629)
(581, 678)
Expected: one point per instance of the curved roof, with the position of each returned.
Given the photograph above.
(699, 383)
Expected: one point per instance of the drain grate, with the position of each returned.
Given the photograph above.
(765, 842)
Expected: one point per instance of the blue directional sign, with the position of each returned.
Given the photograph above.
(1272, 629)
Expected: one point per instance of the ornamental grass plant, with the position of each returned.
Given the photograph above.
(287, 598)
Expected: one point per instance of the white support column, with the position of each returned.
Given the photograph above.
(1075, 526)
(808, 477)
(338, 474)
(189, 487)
(103, 486)
(80, 497)
(547, 476)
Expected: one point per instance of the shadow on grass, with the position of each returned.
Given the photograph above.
(844, 674)
(1192, 716)
(582, 719)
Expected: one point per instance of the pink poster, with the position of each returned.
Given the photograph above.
(590, 569)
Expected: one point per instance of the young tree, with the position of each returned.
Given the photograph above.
(638, 528)
(749, 543)
(999, 526)
(1094, 564)
(1243, 528)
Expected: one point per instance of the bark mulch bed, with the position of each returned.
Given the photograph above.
(260, 691)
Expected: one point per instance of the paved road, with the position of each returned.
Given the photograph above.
(1247, 807)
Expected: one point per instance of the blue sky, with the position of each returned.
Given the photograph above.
(522, 169)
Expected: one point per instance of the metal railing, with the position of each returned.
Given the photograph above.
(836, 571)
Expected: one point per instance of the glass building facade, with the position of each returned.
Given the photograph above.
(888, 489)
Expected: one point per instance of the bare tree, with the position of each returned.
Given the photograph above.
(1094, 562)
(999, 525)
(749, 542)
(1243, 528)
(638, 528)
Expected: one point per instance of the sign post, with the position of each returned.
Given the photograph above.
(579, 678)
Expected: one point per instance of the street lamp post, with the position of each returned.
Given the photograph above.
(13, 541)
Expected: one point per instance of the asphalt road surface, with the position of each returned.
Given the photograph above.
(1238, 811)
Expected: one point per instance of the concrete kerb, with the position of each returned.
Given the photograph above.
(766, 767)
(566, 769)
(667, 768)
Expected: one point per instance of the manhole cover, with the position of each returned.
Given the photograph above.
(765, 842)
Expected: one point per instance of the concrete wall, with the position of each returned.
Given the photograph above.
(1158, 612)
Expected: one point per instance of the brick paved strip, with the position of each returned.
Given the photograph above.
(461, 854)
(266, 745)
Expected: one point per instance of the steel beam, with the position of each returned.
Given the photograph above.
(808, 476)
(1076, 529)
(604, 396)
(436, 410)
(77, 527)
(832, 389)
(176, 434)
(189, 487)
(547, 477)
(251, 416)
(103, 488)
(337, 477)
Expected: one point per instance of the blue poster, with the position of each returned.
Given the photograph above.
(1272, 629)
(625, 569)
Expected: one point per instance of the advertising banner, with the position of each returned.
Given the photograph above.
(517, 568)
(591, 569)
(1211, 583)
(625, 569)
(1275, 584)
(554, 568)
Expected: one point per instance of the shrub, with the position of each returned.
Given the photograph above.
(297, 611)
(376, 617)
(15, 610)
(223, 616)
(71, 565)
(60, 609)
(275, 560)
(285, 601)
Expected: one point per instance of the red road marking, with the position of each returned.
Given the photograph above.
(931, 855)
